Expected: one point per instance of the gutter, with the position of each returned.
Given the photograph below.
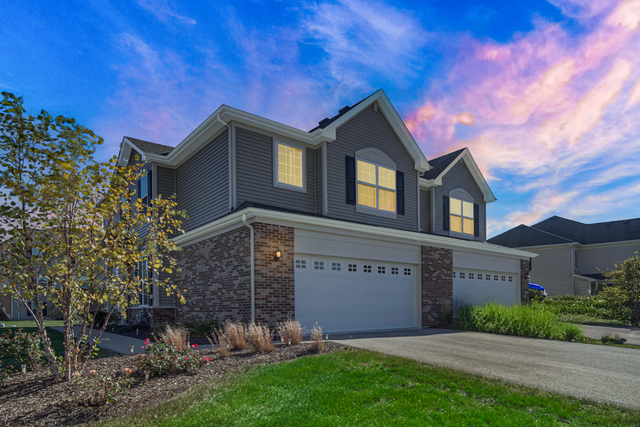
(253, 262)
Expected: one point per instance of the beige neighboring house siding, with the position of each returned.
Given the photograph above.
(581, 286)
(552, 269)
(604, 256)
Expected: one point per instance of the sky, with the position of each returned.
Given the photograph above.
(545, 94)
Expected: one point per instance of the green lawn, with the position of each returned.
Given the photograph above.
(356, 388)
(30, 323)
(57, 343)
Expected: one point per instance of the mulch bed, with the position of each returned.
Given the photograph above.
(35, 399)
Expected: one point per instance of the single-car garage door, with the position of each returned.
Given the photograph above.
(345, 294)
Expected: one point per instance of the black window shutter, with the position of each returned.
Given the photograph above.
(476, 220)
(149, 187)
(351, 180)
(445, 213)
(139, 188)
(400, 192)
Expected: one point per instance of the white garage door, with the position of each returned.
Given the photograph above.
(345, 294)
(474, 287)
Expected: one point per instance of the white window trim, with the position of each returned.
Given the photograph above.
(463, 195)
(278, 184)
(367, 209)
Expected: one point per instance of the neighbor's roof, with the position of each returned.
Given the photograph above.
(523, 235)
(567, 231)
(150, 147)
(439, 164)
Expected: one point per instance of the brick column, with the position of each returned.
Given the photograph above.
(274, 280)
(524, 282)
(437, 283)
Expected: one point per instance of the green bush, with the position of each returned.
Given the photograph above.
(165, 359)
(201, 328)
(23, 347)
(533, 320)
(607, 304)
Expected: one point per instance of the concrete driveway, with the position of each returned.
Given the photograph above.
(601, 373)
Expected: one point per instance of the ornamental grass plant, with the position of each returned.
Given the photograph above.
(290, 331)
(237, 333)
(533, 320)
(317, 343)
(260, 337)
(176, 335)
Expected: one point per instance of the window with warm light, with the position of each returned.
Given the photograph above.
(461, 215)
(289, 166)
(376, 186)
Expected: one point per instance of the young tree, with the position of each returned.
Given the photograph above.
(626, 276)
(73, 231)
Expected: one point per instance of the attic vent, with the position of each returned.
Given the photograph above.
(324, 122)
(344, 109)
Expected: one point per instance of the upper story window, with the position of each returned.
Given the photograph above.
(376, 186)
(289, 166)
(145, 188)
(461, 216)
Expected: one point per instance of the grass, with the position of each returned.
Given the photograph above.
(355, 388)
(57, 343)
(30, 323)
(532, 320)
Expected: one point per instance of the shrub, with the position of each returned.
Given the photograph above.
(604, 305)
(316, 338)
(5, 372)
(99, 317)
(237, 334)
(23, 347)
(533, 320)
(201, 328)
(260, 337)
(290, 332)
(103, 388)
(176, 335)
(608, 339)
(164, 359)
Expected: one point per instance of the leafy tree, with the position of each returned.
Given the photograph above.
(626, 276)
(73, 231)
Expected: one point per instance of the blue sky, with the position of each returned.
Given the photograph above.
(545, 94)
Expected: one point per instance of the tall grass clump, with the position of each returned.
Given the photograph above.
(316, 338)
(533, 320)
(290, 332)
(260, 337)
(237, 333)
(175, 335)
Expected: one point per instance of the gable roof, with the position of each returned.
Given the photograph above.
(524, 235)
(443, 164)
(439, 164)
(150, 147)
(570, 232)
(224, 115)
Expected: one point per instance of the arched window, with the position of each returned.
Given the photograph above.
(376, 181)
(461, 212)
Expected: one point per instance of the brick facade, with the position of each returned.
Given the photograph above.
(216, 274)
(274, 280)
(437, 283)
(524, 281)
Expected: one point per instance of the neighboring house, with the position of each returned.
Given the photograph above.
(573, 255)
(347, 225)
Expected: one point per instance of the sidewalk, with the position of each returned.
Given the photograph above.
(631, 334)
(110, 341)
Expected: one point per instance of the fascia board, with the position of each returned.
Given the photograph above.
(420, 161)
(616, 243)
(126, 147)
(578, 276)
(304, 221)
(554, 246)
(430, 183)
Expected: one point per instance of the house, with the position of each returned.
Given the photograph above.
(572, 255)
(347, 225)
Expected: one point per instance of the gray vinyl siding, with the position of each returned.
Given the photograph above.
(135, 160)
(165, 182)
(369, 129)
(203, 183)
(425, 211)
(591, 259)
(552, 269)
(254, 174)
(460, 177)
(318, 172)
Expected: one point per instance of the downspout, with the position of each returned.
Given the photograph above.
(253, 277)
